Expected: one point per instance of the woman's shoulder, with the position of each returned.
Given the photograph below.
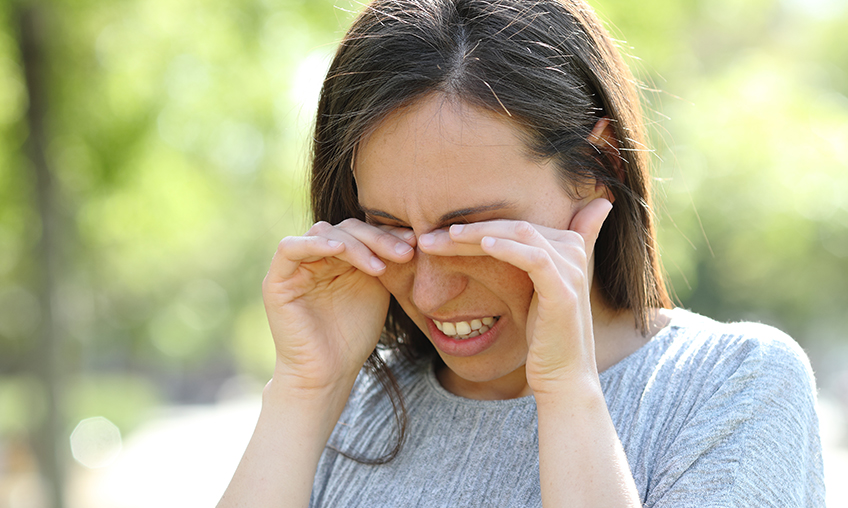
(694, 354)
(734, 344)
(709, 401)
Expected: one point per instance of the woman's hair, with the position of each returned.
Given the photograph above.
(550, 69)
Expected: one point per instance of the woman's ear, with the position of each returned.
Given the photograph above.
(593, 191)
(602, 135)
(603, 139)
(601, 191)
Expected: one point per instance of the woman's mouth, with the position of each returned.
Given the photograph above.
(462, 330)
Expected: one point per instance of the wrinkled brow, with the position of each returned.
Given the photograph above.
(449, 217)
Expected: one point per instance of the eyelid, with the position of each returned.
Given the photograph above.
(373, 222)
(377, 222)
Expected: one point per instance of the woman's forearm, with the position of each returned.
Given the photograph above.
(581, 460)
(278, 466)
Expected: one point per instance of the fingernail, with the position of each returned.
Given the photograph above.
(333, 243)
(426, 240)
(456, 229)
(407, 234)
(487, 241)
(377, 264)
(402, 248)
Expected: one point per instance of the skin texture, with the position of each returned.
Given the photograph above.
(462, 224)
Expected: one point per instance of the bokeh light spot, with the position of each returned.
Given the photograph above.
(96, 442)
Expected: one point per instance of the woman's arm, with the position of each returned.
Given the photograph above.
(282, 455)
(326, 310)
(581, 460)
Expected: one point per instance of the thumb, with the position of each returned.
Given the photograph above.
(588, 221)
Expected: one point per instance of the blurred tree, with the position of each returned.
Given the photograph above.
(751, 147)
(151, 157)
(44, 356)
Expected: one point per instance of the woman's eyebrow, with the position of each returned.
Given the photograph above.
(464, 212)
(448, 217)
(379, 213)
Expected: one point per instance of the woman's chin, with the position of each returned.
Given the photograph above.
(483, 381)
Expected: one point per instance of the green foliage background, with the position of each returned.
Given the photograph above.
(176, 138)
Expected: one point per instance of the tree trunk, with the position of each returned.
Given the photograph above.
(49, 440)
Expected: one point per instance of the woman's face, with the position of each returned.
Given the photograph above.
(437, 163)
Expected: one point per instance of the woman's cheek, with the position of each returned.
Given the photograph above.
(517, 289)
(488, 280)
(397, 279)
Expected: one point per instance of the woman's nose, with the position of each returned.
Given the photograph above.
(435, 282)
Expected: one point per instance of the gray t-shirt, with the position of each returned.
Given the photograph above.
(709, 414)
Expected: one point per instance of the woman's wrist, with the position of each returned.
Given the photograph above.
(321, 400)
(311, 382)
(581, 460)
(574, 391)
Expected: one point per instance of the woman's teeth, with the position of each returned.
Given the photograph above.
(466, 329)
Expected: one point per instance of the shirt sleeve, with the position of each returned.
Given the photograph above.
(752, 438)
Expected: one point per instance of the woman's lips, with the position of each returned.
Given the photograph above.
(465, 344)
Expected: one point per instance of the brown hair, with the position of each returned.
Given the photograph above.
(547, 66)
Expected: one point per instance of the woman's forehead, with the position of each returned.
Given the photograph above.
(435, 157)
(435, 125)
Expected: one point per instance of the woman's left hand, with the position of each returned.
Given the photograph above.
(561, 347)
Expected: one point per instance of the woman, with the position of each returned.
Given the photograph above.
(481, 185)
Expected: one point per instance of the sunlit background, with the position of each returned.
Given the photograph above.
(153, 153)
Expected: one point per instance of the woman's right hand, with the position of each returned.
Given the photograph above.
(325, 305)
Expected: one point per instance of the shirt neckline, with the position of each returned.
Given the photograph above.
(677, 315)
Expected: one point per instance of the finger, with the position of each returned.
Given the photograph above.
(405, 234)
(522, 231)
(440, 243)
(588, 221)
(366, 246)
(387, 242)
(294, 250)
(341, 242)
(464, 239)
(544, 269)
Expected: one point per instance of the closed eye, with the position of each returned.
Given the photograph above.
(372, 221)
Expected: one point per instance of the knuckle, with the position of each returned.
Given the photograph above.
(566, 288)
(524, 230)
(582, 257)
(569, 295)
(581, 242)
(577, 239)
(319, 227)
(572, 244)
(538, 258)
(285, 244)
(575, 251)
